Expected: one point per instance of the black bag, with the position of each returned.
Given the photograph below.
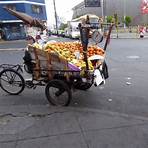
(28, 62)
(105, 70)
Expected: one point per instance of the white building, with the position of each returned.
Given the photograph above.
(110, 7)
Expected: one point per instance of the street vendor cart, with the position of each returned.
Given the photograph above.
(60, 67)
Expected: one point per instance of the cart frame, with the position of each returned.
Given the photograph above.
(63, 80)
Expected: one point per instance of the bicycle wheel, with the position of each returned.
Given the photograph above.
(58, 93)
(11, 81)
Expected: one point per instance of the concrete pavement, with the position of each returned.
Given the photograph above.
(128, 36)
(45, 126)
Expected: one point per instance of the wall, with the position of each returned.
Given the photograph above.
(121, 7)
(23, 7)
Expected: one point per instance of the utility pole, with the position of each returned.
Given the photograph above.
(55, 14)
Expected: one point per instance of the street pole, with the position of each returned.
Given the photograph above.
(124, 12)
(55, 14)
(103, 2)
(102, 5)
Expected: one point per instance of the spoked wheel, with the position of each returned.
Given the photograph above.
(11, 81)
(58, 93)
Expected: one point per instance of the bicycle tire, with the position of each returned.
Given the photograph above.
(21, 85)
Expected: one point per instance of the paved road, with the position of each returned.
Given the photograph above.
(13, 44)
(124, 92)
(20, 44)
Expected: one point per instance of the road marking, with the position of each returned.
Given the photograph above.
(133, 57)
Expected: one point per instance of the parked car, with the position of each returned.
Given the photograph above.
(61, 33)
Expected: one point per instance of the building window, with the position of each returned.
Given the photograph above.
(37, 9)
(92, 3)
(11, 6)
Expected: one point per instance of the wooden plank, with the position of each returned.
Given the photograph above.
(48, 61)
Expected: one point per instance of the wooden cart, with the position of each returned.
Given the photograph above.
(50, 70)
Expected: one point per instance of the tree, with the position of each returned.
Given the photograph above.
(109, 19)
(127, 20)
(62, 26)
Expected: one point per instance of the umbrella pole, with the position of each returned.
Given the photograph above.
(84, 34)
(108, 37)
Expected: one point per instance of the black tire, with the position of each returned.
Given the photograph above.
(59, 89)
(13, 79)
(85, 86)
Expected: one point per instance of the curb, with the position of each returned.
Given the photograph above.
(129, 38)
(11, 41)
(12, 49)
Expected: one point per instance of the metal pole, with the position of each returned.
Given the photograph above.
(102, 5)
(124, 13)
(108, 36)
(84, 33)
(55, 12)
(103, 14)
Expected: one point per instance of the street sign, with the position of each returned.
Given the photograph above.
(92, 3)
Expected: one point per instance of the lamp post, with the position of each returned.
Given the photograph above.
(55, 14)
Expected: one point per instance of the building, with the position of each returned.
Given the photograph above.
(11, 27)
(110, 7)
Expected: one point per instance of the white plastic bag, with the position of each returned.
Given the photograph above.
(98, 78)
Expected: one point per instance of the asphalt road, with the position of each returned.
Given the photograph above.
(125, 91)
(13, 44)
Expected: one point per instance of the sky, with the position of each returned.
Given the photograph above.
(63, 8)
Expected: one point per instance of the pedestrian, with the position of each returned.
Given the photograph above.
(31, 31)
(44, 36)
(142, 31)
(30, 40)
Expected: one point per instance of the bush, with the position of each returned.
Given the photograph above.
(109, 19)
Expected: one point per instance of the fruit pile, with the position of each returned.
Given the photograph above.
(94, 50)
(73, 52)
(71, 47)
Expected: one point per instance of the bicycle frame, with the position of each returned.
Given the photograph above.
(11, 66)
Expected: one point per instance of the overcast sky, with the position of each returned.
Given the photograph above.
(63, 7)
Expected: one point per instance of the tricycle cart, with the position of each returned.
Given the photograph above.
(49, 70)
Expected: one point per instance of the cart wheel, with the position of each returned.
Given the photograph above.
(85, 86)
(11, 81)
(58, 93)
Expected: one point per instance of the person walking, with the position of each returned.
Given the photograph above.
(142, 31)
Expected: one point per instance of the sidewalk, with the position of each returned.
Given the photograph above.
(128, 36)
(47, 126)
